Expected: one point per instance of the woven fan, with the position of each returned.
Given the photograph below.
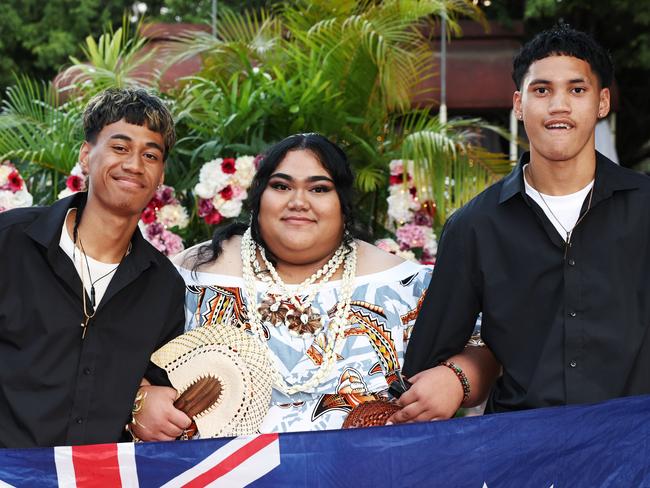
(224, 379)
(370, 414)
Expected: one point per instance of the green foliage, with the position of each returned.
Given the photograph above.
(38, 37)
(345, 68)
(39, 133)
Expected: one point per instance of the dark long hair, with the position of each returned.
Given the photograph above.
(328, 154)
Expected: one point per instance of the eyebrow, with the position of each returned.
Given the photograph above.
(541, 81)
(124, 137)
(287, 177)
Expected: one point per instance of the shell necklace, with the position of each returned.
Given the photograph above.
(285, 308)
(334, 336)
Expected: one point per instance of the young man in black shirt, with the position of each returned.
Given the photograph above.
(84, 299)
(555, 255)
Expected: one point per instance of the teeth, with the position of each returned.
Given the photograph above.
(558, 126)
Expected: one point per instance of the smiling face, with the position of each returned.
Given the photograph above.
(124, 166)
(560, 102)
(300, 216)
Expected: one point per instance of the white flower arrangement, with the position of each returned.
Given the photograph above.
(222, 187)
(13, 192)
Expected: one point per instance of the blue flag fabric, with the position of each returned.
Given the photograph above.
(600, 445)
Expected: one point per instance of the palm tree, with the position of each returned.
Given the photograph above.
(348, 69)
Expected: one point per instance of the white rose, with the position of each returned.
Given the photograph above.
(23, 198)
(212, 175)
(401, 206)
(204, 190)
(245, 170)
(173, 216)
(4, 174)
(230, 208)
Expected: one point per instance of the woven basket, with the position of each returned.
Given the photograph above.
(370, 414)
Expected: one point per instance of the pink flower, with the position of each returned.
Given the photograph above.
(238, 192)
(173, 243)
(228, 165)
(205, 207)
(154, 229)
(411, 235)
(148, 215)
(75, 183)
(226, 193)
(258, 160)
(15, 181)
(396, 179)
(214, 218)
(166, 195)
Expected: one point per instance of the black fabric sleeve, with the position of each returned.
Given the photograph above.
(451, 305)
(174, 327)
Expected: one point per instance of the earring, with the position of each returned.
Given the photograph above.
(520, 116)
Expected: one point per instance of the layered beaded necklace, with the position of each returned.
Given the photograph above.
(299, 316)
(335, 331)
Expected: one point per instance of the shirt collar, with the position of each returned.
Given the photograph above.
(610, 177)
(46, 229)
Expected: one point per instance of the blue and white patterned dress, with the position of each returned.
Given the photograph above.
(383, 311)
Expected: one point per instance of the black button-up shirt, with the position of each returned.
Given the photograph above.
(567, 328)
(56, 388)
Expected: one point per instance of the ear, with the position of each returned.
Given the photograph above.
(516, 105)
(162, 178)
(84, 153)
(604, 103)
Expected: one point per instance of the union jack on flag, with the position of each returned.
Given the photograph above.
(235, 462)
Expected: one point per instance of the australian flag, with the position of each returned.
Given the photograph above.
(600, 445)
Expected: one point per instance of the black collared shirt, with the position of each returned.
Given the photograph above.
(566, 330)
(55, 388)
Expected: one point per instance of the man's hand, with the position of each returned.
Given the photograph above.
(435, 394)
(158, 419)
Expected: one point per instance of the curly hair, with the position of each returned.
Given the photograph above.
(135, 106)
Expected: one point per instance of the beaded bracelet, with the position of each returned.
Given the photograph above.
(461, 377)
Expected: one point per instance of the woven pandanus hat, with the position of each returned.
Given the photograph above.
(223, 376)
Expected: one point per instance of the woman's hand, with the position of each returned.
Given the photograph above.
(158, 419)
(435, 394)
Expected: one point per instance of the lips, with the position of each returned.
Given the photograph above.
(129, 182)
(559, 124)
(294, 219)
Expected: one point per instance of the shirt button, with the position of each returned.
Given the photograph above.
(87, 371)
(572, 262)
(572, 314)
(573, 364)
(79, 420)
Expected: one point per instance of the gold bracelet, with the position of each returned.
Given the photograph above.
(138, 403)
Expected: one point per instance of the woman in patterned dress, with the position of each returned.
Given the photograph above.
(334, 312)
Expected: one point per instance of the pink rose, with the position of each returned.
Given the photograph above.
(75, 183)
(214, 218)
(228, 165)
(205, 207)
(226, 193)
(15, 181)
(148, 215)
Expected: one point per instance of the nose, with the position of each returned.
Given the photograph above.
(559, 102)
(298, 200)
(133, 163)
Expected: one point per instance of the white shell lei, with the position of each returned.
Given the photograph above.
(335, 331)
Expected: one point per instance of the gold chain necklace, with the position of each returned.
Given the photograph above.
(569, 232)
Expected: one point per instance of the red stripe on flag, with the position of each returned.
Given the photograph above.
(232, 461)
(96, 466)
